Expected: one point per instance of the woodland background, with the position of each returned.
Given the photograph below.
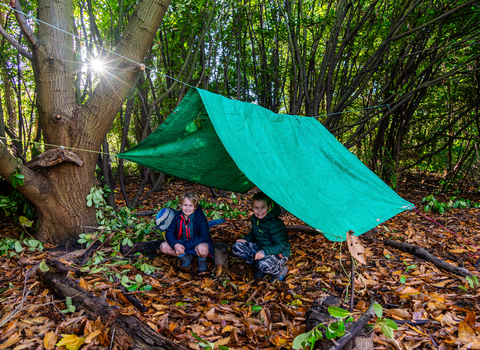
(397, 82)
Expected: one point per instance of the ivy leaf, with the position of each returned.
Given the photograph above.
(338, 312)
(71, 341)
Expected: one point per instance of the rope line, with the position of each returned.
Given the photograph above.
(59, 146)
(446, 228)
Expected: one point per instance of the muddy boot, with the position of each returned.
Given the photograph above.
(202, 265)
(281, 275)
(185, 260)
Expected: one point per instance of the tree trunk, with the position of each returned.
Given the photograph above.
(59, 192)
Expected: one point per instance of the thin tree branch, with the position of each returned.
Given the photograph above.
(22, 21)
(15, 44)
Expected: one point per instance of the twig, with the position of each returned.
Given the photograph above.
(251, 296)
(352, 282)
(113, 335)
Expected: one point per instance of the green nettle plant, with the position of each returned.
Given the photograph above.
(336, 329)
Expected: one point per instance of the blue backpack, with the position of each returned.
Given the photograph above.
(165, 217)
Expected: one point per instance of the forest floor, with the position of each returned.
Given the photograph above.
(435, 309)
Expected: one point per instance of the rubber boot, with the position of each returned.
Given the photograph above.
(202, 265)
(185, 260)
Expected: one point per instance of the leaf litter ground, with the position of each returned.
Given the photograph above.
(229, 308)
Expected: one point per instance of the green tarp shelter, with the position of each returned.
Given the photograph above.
(233, 145)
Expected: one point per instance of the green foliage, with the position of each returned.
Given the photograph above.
(221, 210)
(43, 266)
(432, 204)
(16, 178)
(403, 278)
(472, 281)
(11, 247)
(18, 208)
(336, 329)
(70, 307)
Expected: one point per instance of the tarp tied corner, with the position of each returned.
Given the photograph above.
(233, 145)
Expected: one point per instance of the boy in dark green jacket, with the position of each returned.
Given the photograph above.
(266, 247)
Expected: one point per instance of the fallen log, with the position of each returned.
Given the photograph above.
(425, 255)
(301, 228)
(130, 331)
(357, 336)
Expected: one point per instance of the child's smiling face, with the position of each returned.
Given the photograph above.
(260, 209)
(187, 207)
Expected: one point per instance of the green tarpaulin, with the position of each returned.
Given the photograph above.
(234, 145)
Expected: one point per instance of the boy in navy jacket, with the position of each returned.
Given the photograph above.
(189, 234)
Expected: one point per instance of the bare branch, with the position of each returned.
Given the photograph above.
(15, 44)
(22, 21)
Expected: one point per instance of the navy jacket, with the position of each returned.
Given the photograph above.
(200, 234)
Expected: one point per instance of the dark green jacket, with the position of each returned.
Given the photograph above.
(270, 234)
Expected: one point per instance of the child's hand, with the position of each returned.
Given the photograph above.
(259, 255)
(241, 240)
(179, 249)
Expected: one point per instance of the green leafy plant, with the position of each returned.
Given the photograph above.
(70, 307)
(222, 210)
(145, 267)
(403, 278)
(336, 329)
(432, 204)
(12, 247)
(17, 178)
(472, 281)
(18, 208)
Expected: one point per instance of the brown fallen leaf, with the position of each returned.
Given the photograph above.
(49, 340)
(83, 284)
(470, 318)
(12, 340)
(91, 337)
(356, 248)
(223, 341)
(465, 331)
